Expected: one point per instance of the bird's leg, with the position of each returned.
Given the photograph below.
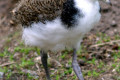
(44, 58)
(76, 67)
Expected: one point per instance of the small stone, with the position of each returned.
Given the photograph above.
(113, 24)
(67, 66)
(107, 55)
(38, 60)
(113, 70)
(1, 75)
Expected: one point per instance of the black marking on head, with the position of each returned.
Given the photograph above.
(69, 13)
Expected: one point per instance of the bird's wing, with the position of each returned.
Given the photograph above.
(29, 11)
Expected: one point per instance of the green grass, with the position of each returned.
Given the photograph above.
(101, 64)
(22, 63)
(92, 61)
(26, 62)
(64, 55)
(93, 73)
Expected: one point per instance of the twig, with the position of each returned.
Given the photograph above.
(106, 43)
(2, 20)
(6, 64)
(38, 67)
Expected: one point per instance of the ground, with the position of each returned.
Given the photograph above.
(99, 56)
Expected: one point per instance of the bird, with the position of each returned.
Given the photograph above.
(54, 25)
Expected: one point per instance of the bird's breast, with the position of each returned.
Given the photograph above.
(91, 15)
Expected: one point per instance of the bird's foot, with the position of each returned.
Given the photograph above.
(76, 66)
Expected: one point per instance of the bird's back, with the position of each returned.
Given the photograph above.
(29, 11)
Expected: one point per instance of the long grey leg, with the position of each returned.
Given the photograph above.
(44, 58)
(76, 67)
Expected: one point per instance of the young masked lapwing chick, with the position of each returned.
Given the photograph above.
(54, 25)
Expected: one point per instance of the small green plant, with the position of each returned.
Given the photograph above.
(74, 77)
(93, 73)
(101, 64)
(114, 65)
(118, 68)
(92, 61)
(2, 55)
(57, 77)
(64, 55)
(23, 50)
(1, 69)
(68, 71)
(25, 63)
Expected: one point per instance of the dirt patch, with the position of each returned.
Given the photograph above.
(110, 21)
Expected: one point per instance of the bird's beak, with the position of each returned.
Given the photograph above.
(109, 2)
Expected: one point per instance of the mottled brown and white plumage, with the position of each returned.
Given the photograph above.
(28, 11)
(56, 25)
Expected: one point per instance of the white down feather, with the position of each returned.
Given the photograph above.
(55, 37)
